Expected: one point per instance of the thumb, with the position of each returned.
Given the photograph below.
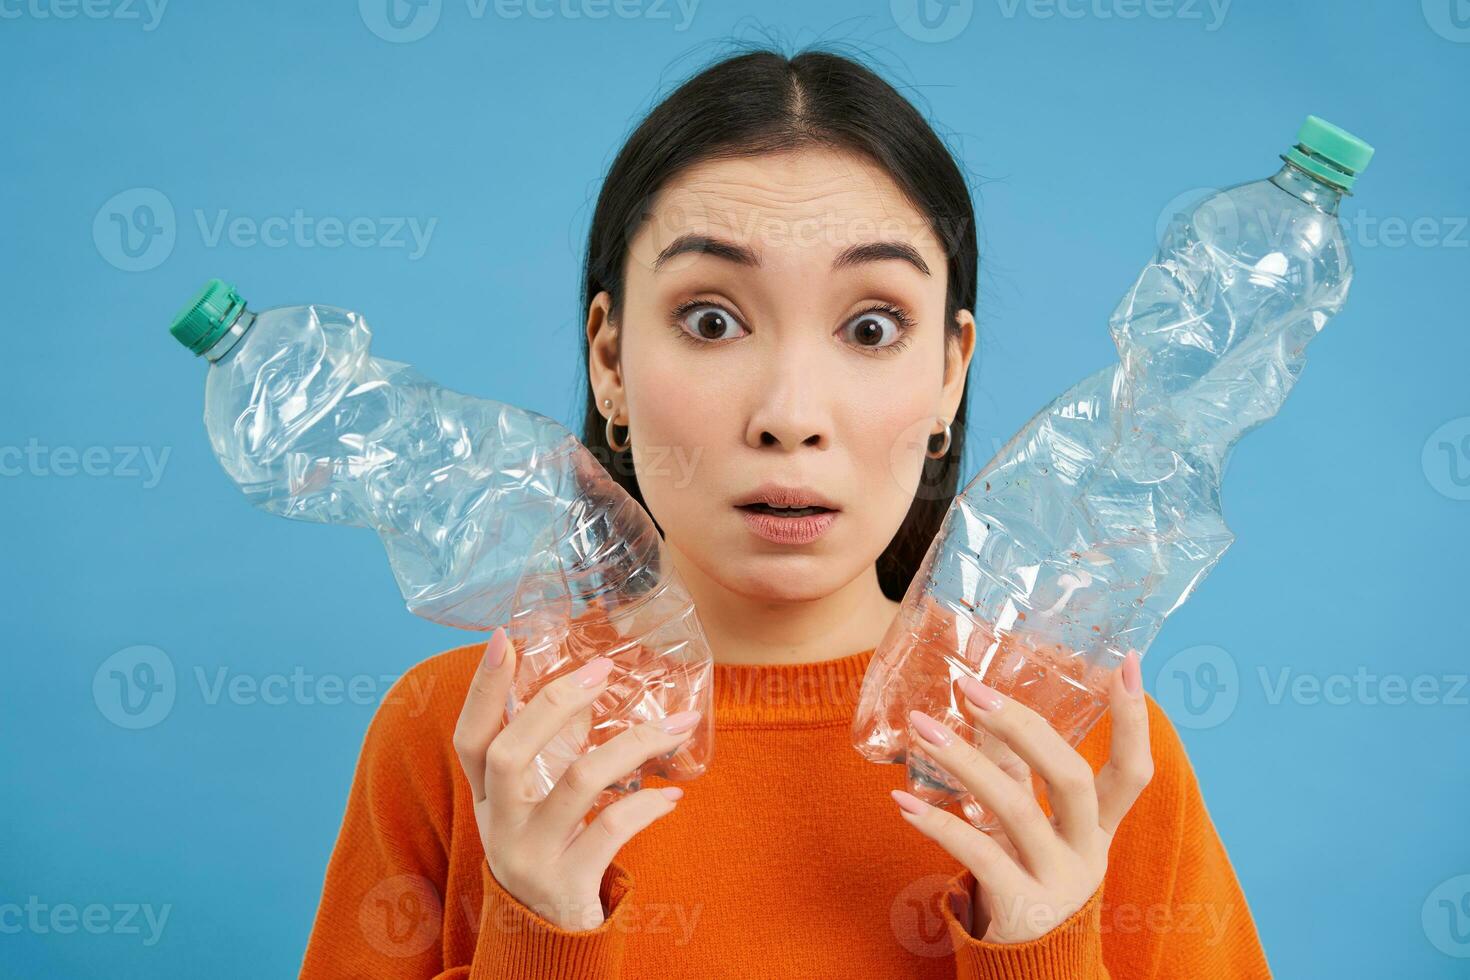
(483, 714)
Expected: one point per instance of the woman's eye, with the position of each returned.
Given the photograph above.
(874, 329)
(707, 322)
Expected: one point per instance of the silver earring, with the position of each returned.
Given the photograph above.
(608, 430)
(944, 449)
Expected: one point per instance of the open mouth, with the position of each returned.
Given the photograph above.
(784, 511)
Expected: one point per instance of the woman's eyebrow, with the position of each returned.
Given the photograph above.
(741, 255)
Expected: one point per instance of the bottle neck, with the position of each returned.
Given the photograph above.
(1305, 187)
(231, 337)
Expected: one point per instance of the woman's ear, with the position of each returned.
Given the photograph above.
(604, 370)
(958, 351)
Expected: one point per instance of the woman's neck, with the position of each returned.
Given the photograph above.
(746, 629)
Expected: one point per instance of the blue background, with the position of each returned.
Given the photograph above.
(1345, 816)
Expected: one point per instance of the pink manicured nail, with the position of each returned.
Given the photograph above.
(1132, 673)
(593, 672)
(672, 792)
(907, 801)
(930, 729)
(674, 724)
(495, 649)
(983, 696)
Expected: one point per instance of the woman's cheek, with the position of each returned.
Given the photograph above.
(893, 454)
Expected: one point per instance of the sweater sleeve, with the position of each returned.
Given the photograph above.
(383, 911)
(1169, 906)
(1072, 950)
(515, 941)
(1205, 930)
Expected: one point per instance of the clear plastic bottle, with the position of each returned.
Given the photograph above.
(1102, 515)
(489, 514)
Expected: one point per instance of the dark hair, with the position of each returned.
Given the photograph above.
(762, 101)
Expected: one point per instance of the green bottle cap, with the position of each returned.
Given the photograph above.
(1329, 152)
(206, 317)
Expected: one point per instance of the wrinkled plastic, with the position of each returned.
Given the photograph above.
(489, 514)
(1102, 515)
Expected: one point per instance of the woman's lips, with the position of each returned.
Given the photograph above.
(788, 530)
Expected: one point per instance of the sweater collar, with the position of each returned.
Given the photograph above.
(824, 692)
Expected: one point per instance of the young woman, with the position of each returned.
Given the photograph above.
(779, 286)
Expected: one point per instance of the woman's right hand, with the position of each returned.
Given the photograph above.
(543, 852)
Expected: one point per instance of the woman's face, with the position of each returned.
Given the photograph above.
(783, 324)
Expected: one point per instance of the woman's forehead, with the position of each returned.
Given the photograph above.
(812, 199)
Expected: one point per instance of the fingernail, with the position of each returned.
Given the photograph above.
(593, 672)
(907, 801)
(495, 649)
(983, 696)
(672, 792)
(930, 729)
(674, 724)
(1132, 673)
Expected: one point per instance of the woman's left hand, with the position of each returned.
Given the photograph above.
(1034, 872)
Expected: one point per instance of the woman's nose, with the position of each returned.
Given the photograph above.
(791, 412)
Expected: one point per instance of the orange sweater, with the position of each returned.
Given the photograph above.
(788, 858)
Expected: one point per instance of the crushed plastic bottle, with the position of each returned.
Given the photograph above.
(1102, 515)
(489, 514)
